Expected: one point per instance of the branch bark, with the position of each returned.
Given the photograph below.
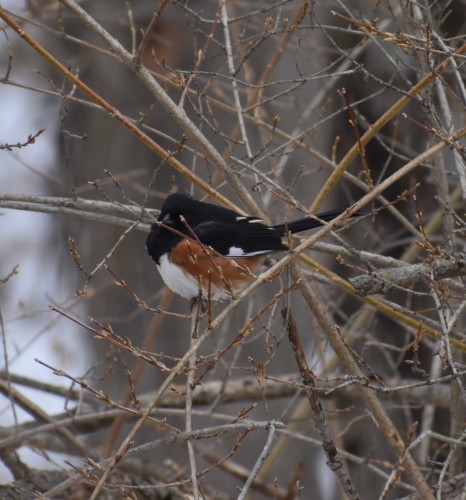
(387, 280)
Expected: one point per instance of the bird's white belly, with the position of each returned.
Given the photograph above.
(181, 283)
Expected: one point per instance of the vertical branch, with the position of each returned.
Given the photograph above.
(200, 57)
(428, 414)
(458, 407)
(362, 150)
(380, 415)
(234, 85)
(190, 379)
(6, 358)
(445, 123)
(308, 378)
(258, 463)
(148, 33)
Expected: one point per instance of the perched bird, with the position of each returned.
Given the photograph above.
(201, 248)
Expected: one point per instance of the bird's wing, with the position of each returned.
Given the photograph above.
(244, 238)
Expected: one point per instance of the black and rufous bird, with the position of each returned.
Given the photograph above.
(205, 248)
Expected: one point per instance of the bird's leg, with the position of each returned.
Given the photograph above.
(200, 302)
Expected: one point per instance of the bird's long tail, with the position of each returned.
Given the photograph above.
(306, 223)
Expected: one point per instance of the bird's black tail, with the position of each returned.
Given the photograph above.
(306, 223)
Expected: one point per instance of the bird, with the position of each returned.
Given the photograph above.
(209, 251)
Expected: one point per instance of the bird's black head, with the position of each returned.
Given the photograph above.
(178, 212)
(181, 215)
(176, 207)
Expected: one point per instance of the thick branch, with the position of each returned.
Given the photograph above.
(386, 280)
(102, 211)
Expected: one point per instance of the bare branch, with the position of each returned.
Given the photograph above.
(390, 279)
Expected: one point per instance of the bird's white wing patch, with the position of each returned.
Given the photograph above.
(235, 252)
(251, 221)
(239, 252)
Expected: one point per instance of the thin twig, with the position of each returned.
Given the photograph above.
(190, 381)
(148, 32)
(259, 461)
(234, 85)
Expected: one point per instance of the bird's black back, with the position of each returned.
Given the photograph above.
(226, 231)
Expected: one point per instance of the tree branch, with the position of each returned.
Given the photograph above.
(387, 280)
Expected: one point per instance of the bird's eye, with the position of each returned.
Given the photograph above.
(168, 220)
